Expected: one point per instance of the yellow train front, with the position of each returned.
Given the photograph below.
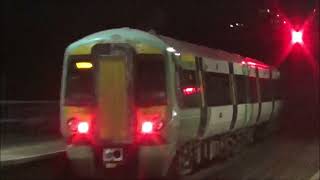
(115, 105)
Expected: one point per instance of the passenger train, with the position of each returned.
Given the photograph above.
(159, 107)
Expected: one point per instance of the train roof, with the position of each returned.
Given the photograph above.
(202, 51)
(135, 36)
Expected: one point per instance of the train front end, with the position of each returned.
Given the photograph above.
(114, 111)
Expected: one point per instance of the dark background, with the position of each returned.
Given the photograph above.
(36, 34)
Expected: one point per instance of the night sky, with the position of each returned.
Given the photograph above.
(36, 33)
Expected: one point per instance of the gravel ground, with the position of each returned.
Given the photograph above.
(277, 158)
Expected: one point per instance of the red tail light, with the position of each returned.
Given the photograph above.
(150, 122)
(149, 131)
(80, 131)
(78, 126)
(83, 127)
(147, 127)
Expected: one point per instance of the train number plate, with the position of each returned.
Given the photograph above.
(112, 155)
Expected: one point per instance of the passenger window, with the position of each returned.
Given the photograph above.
(189, 90)
(253, 91)
(266, 90)
(217, 89)
(277, 89)
(242, 88)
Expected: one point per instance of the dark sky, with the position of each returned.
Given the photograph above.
(37, 32)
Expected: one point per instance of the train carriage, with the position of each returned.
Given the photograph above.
(136, 99)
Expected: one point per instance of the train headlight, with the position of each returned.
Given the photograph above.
(171, 49)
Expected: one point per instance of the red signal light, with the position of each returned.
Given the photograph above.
(296, 37)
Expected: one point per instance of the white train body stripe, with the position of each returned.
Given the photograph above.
(217, 66)
(266, 108)
(189, 122)
(254, 113)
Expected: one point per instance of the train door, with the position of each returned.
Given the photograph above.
(189, 97)
(113, 120)
(266, 94)
(240, 80)
(252, 105)
(218, 96)
(254, 96)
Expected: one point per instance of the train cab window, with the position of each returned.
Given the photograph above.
(217, 89)
(79, 83)
(150, 80)
(189, 93)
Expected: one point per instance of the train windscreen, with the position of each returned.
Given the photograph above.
(149, 81)
(80, 83)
